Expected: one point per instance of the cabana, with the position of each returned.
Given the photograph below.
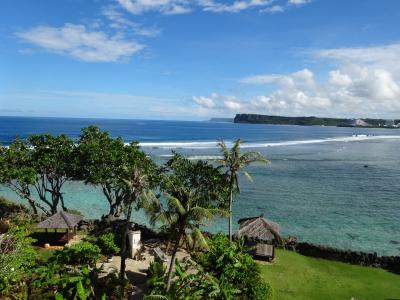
(62, 224)
(260, 229)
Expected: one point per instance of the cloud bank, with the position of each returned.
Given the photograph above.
(363, 82)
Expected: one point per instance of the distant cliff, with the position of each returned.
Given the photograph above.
(313, 121)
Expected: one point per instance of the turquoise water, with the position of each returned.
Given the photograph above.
(317, 187)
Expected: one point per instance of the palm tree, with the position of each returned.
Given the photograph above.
(234, 161)
(193, 192)
(183, 217)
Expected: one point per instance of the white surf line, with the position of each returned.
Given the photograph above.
(196, 157)
(210, 145)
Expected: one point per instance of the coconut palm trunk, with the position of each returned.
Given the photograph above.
(233, 161)
(124, 251)
(172, 263)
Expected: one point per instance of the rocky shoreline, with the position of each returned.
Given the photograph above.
(390, 263)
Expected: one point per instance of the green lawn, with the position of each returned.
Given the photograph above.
(294, 276)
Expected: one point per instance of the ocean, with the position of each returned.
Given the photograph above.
(332, 186)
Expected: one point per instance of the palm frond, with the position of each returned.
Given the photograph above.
(176, 203)
(248, 176)
(252, 157)
(199, 238)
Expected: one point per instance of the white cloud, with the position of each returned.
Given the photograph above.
(81, 43)
(207, 102)
(119, 22)
(378, 56)
(274, 9)
(217, 6)
(164, 6)
(364, 83)
(234, 7)
(298, 2)
(218, 102)
(261, 79)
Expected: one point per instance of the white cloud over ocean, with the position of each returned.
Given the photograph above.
(362, 82)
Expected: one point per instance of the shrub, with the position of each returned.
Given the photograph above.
(17, 256)
(156, 273)
(230, 263)
(106, 243)
(83, 253)
(60, 281)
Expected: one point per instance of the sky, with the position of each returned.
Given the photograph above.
(197, 59)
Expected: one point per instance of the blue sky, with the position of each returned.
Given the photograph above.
(182, 59)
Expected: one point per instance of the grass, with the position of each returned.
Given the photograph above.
(294, 276)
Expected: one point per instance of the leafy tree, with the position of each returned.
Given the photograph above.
(107, 162)
(52, 158)
(37, 169)
(234, 161)
(142, 177)
(193, 192)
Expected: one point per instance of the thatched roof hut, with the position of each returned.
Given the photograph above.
(259, 228)
(60, 220)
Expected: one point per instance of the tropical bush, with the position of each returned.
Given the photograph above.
(62, 282)
(156, 273)
(17, 256)
(234, 268)
(224, 272)
(106, 242)
(78, 254)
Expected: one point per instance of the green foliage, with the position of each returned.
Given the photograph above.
(107, 162)
(156, 275)
(193, 192)
(106, 242)
(199, 178)
(78, 254)
(63, 282)
(17, 256)
(233, 161)
(69, 274)
(193, 195)
(190, 282)
(10, 209)
(42, 164)
(234, 268)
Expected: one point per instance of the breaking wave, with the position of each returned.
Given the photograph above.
(211, 145)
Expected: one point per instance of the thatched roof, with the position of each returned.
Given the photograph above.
(260, 228)
(60, 220)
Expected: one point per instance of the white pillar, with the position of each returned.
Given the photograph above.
(134, 242)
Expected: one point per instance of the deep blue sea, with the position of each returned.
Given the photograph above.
(317, 187)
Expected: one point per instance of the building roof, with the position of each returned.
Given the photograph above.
(60, 220)
(260, 228)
